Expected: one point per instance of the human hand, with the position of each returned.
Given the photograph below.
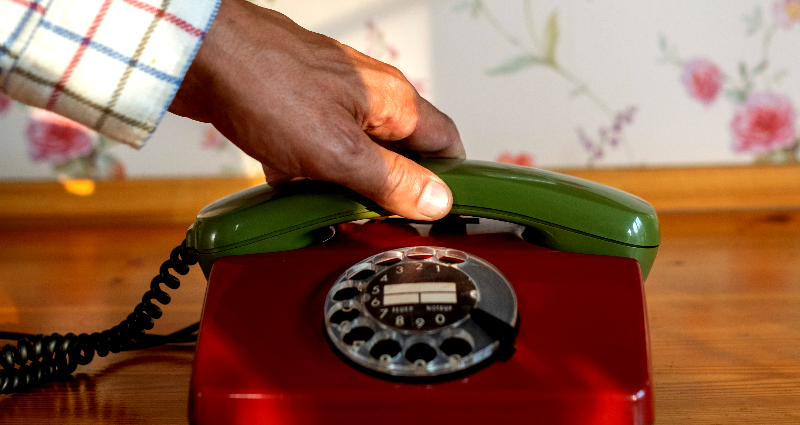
(305, 105)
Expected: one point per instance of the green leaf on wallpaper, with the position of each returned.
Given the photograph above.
(780, 75)
(778, 156)
(663, 44)
(753, 22)
(104, 143)
(229, 169)
(736, 96)
(516, 64)
(761, 67)
(551, 37)
(670, 52)
(462, 5)
(745, 75)
(79, 167)
(474, 7)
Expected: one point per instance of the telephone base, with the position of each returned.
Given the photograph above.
(582, 352)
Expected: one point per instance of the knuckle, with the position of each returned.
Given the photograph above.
(393, 183)
(403, 181)
(337, 158)
(394, 105)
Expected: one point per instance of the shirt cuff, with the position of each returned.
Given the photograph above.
(113, 66)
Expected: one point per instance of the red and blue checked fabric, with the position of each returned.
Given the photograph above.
(112, 65)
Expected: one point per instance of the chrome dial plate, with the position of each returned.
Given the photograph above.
(406, 312)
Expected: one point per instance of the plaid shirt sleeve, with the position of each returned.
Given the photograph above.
(112, 65)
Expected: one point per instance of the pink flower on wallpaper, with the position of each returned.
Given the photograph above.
(418, 84)
(521, 158)
(703, 80)
(787, 12)
(117, 171)
(213, 139)
(54, 138)
(765, 122)
(5, 103)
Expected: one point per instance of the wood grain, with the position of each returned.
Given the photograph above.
(129, 202)
(724, 309)
(159, 202)
(86, 280)
(700, 189)
(723, 300)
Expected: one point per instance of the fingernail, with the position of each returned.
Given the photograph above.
(434, 201)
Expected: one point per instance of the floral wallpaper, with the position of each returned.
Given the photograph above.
(543, 52)
(74, 153)
(763, 122)
(550, 83)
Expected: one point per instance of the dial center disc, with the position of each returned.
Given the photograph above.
(420, 295)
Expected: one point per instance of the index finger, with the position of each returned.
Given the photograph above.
(435, 133)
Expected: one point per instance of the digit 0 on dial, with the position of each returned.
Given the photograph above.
(420, 295)
(407, 312)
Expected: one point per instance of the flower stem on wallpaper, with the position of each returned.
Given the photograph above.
(543, 53)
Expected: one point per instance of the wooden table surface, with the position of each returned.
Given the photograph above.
(723, 301)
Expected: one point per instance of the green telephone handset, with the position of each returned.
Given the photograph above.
(560, 212)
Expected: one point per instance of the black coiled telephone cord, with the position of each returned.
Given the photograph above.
(40, 358)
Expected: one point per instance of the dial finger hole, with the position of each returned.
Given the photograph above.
(456, 347)
(453, 256)
(346, 313)
(420, 351)
(346, 294)
(388, 258)
(358, 336)
(420, 252)
(360, 272)
(386, 349)
(363, 274)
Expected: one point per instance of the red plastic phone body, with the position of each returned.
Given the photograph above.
(582, 351)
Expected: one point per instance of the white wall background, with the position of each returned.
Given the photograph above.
(612, 48)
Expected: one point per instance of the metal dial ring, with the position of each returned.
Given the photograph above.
(406, 312)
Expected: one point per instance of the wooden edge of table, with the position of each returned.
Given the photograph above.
(176, 201)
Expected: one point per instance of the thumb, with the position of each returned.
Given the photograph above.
(413, 191)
